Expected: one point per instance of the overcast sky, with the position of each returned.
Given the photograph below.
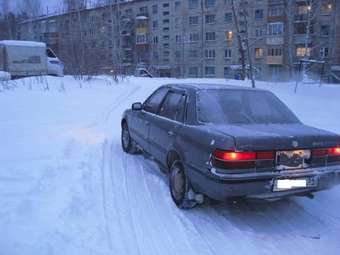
(51, 4)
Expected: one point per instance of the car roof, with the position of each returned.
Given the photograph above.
(208, 86)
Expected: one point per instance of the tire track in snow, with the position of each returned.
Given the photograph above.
(120, 101)
(104, 196)
(120, 204)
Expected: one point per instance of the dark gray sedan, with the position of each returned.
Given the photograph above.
(221, 142)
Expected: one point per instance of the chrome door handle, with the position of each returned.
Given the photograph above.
(170, 133)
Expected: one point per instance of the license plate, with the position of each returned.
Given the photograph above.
(289, 184)
(293, 159)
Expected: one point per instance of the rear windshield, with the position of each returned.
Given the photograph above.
(242, 107)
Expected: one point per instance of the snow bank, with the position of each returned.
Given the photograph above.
(4, 76)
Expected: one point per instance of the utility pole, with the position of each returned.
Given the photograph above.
(239, 39)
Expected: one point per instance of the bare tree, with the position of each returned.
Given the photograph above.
(32, 8)
(239, 39)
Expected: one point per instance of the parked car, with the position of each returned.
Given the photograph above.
(223, 142)
(25, 58)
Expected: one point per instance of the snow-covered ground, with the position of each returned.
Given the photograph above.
(66, 187)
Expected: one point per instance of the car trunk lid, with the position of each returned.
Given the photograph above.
(278, 137)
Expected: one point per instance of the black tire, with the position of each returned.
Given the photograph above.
(128, 145)
(180, 187)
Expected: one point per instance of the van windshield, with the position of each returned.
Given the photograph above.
(50, 53)
(242, 107)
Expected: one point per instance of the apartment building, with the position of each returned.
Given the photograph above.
(196, 38)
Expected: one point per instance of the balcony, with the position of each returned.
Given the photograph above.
(274, 60)
(301, 39)
(275, 40)
(300, 18)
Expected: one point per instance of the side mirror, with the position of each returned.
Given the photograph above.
(137, 107)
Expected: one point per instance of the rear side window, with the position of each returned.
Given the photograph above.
(153, 103)
(173, 106)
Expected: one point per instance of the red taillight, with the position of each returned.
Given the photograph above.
(234, 156)
(243, 156)
(265, 155)
(242, 160)
(318, 153)
(335, 151)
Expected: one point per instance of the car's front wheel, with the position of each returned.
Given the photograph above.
(128, 145)
(180, 187)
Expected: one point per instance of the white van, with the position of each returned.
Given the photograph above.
(25, 58)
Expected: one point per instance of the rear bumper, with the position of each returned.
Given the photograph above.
(259, 185)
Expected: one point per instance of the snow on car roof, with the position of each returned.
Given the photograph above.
(205, 86)
(22, 43)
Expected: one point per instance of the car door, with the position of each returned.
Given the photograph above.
(141, 122)
(164, 128)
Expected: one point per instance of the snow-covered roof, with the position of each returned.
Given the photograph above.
(22, 43)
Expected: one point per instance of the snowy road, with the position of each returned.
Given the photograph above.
(66, 187)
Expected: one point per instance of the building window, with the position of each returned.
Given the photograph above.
(324, 52)
(193, 53)
(275, 11)
(210, 3)
(325, 30)
(141, 39)
(229, 35)
(166, 29)
(194, 37)
(166, 13)
(177, 5)
(274, 52)
(193, 4)
(228, 53)
(155, 39)
(155, 24)
(143, 10)
(258, 52)
(259, 14)
(228, 17)
(210, 36)
(193, 71)
(166, 5)
(227, 71)
(209, 71)
(166, 37)
(275, 28)
(326, 8)
(193, 20)
(155, 55)
(166, 21)
(210, 19)
(210, 54)
(302, 51)
(155, 9)
(258, 32)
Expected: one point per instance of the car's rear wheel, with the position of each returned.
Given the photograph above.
(128, 145)
(180, 187)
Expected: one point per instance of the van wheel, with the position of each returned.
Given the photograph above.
(180, 187)
(128, 145)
